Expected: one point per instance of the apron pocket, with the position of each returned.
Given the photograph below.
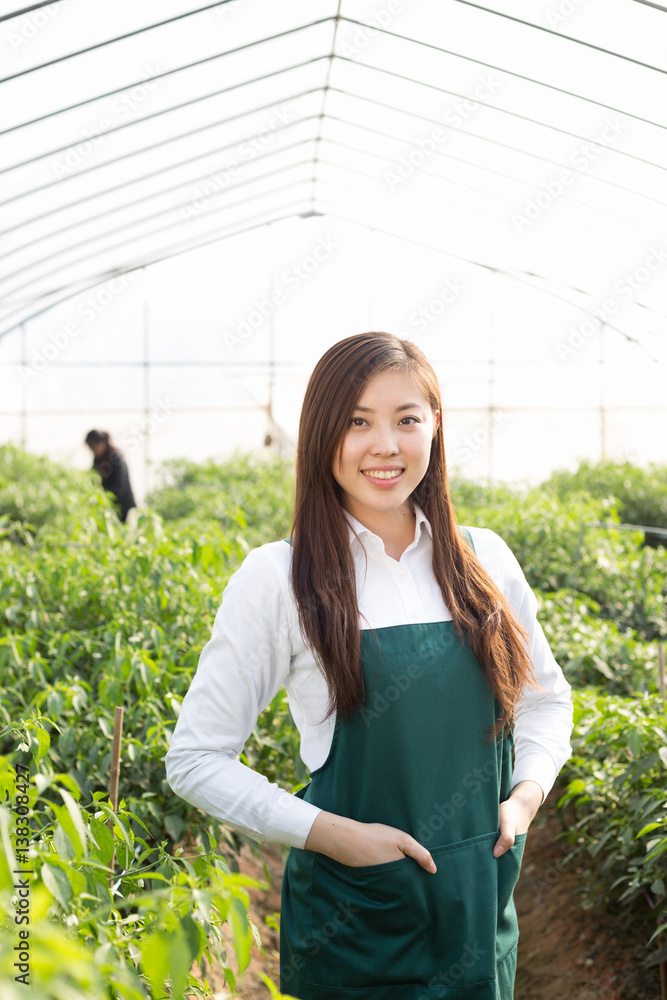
(509, 867)
(396, 924)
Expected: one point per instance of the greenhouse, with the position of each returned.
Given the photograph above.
(193, 208)
(198, 201)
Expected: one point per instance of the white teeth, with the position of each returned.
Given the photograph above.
(383, 475)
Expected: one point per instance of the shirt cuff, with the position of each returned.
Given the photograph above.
(536, 767)
(290, 820)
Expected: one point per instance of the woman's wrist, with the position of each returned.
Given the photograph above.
(529, 794)
(329, 833)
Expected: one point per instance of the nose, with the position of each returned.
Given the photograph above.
(384, 440)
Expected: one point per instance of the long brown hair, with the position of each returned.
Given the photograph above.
(323, 571)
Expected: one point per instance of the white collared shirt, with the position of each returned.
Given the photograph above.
(256, 646)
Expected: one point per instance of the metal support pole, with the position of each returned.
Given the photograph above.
(603, 408)
(147, 394)
(24, 397)
(270, 439)
(495, 277)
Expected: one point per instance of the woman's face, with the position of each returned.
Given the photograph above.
(387, 446)
(98, 448)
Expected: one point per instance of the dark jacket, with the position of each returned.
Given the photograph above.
(116, 478)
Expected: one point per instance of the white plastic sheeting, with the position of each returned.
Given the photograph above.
(488, 179)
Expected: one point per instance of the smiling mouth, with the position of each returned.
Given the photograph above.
(381, 474)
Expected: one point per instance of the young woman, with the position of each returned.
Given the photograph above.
(412, 659)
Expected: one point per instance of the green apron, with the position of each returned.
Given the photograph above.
(415, 757)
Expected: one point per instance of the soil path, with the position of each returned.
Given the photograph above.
(565, 951)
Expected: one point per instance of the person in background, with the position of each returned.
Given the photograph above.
(112, 467)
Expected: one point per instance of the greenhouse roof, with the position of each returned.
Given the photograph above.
(528, 138)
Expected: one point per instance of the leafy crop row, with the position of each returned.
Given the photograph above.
(97, 614)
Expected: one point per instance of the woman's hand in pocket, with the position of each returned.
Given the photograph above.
(517, 813)
(356, 844)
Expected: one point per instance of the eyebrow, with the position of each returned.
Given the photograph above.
(405, 406)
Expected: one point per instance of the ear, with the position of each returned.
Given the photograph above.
(436, 414)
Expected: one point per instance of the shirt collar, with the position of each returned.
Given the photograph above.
(355, 525)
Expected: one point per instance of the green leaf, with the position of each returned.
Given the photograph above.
(647, 829)
(602, 667)
(77, 880)
(75, 813)
(241, 935)
(273, 989)
(67, 739)
(54, 703)
(195, 936)
(174, 825)
(181, 958)
(7, 778)
(103, 841)
(635, 743)
(7, 857)
(662, 752)
(57, 883)
(63, 844)
(43, 743)
(155, 961)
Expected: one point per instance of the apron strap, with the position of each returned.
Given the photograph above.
(468, 537)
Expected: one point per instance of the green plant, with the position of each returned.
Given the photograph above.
(110, 617)
(614, 802)
(89, 932)
(97, 614)
(592, 649)
(640, 494)
(247, 495)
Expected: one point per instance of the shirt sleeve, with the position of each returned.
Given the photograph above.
(543, 717)
(240, 670)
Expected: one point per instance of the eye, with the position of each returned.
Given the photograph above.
(416, 419)
(354, 420)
